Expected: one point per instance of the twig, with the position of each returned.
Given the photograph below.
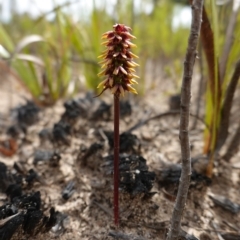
(175, 227)
(3, 221)
(104, 137)
(119, 235)
(235, 228)
(160, 115)
(106, 210)
(157, 225)
(216, 228)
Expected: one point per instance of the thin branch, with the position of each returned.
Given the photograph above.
(119, 235)
(106, 210)
(160, 115)
(175, 227)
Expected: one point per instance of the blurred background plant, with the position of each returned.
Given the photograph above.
(54, 54)
(220, 37)
(50, 56)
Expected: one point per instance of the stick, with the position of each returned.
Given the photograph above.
(175, 226)
(160, 115)
(119, 235)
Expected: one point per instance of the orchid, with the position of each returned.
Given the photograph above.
(118, 70)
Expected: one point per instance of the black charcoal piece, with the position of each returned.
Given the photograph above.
(14, 131)
(24, 218)
(51, 220)
(48, 156)
(45, 134)
(18, 167)
(125, 108)
(13, 191)
(76, 108)
(11, 226)
(32, 222)
(29, 202)
(54, 160)
(134, 175)
(137, 182)
(102, 112)
(59, 228)
(226, 204)
(7, 210)
(174, 102)
(93, 149)
(171, 175)
(68, 190)
(61, 132)
(4, 180)
(42, 156)
(73, 110)
(27, 114)
(128, 142)
(17, 178)
(230, 236)
(31, 176)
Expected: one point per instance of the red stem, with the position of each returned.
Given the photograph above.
(116, 159)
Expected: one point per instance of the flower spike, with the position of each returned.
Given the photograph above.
(117, 64)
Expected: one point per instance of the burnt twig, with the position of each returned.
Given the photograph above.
(119, 235)
(191, 54)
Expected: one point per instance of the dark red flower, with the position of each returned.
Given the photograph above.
(117, 64)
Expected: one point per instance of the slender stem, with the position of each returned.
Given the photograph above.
(116, 159)
(175, 226)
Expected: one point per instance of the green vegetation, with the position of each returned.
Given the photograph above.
(55, 53)
(220, 40)
(57, 58)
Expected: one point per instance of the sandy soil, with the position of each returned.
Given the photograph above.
(89, 210)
